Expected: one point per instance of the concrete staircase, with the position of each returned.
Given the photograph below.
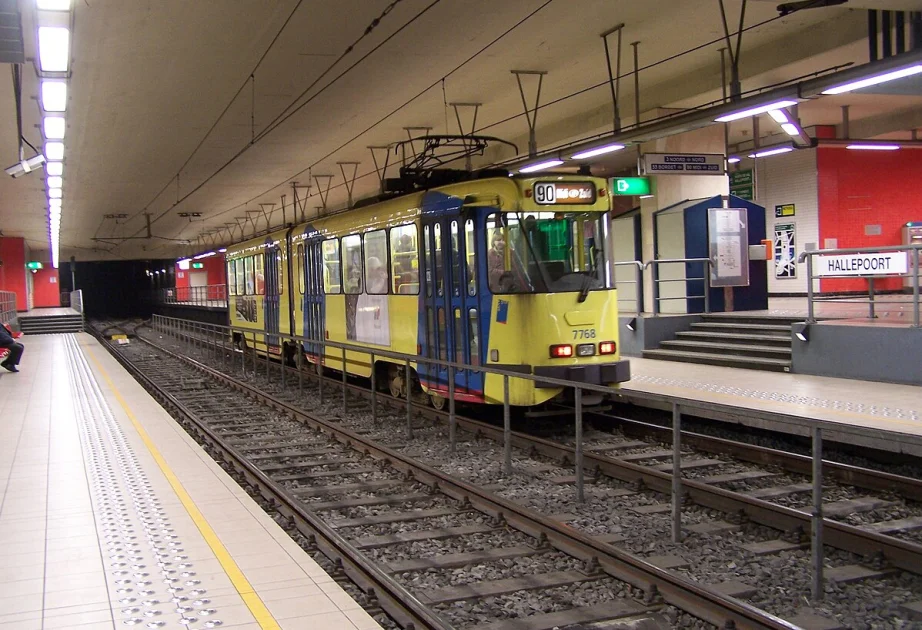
(50, 324)
(732, 340)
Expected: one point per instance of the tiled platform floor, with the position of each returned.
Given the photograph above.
(97, 531)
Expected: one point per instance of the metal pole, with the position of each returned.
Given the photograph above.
(915, 288)
(344, 381)
(374, 392)
(707, 286)
(409, 405)
(282, 361)
(266, 342)
(871, 297)
(676, 473)
(254, 354)
(817, 521)
(578, 399)
(507, 428)
(452, 420)
(810, 318)
(320, 358)
(300, 364)
(636, 84)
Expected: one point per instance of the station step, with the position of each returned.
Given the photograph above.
(777, 329)
(51, 324)
(725, 360)
(743, 318)
(746, 350)
(737, 338)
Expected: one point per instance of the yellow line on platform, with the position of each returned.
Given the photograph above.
(250, 597)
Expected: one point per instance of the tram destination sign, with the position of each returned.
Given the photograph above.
(564, 193)
(882, 264)
(684, 164)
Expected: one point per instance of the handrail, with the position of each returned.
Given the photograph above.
(914, 258)
(213, 295)
(637, 282)
(656, 262)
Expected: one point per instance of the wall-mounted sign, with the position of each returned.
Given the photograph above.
(883, 264)
(198, 265)
(784, 210)
(560, 193)
(34, 265)
(741, 184)
(785, 251)
(630, 186)
(683, 164)
(728, 246)
(183, 264)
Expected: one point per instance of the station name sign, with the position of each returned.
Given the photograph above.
(564, 193)
(886, 263)
(684, 164)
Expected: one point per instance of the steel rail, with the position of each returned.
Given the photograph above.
(393, 598)
(685, 594)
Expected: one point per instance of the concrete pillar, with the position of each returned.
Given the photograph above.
(671, 189)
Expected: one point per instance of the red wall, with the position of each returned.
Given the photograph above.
(859, 188)
(46, 287)
(13, 271)
(214, 266)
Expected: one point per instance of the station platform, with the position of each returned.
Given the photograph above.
(889, 415)
(111, 515)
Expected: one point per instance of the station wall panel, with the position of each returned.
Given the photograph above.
(865, 197)
(13, 270)
(790, 178)
(46, 288)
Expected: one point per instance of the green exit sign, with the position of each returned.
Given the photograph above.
(198, 265)
(630, 186)
(34, 265)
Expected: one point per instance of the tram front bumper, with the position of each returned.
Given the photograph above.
(592, 374)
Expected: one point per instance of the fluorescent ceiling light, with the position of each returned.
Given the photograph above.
(540, 166)
(53, 5)
(53, 48)
(54, 168)
(54, 193)
(874, 147)
(54, 203)
(55, 212)
(790, 129)
(646, 196)
(768, 152)
(222, 250)
(55, 181)
(752, 111)
(54, 127)
(733, 160)
(779, 115)
(875, 80)
(54, 150)
(609, 148)
(54, 96)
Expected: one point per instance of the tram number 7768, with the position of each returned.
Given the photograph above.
(584, 333)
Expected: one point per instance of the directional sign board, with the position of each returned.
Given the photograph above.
(684, 164)
(882, 264)
(630, 186)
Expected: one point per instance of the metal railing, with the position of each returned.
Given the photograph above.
(217, 341)
(657, 281)
(637, 282)
(8, 314)
(914, 255)
(213, 295)
(76, 300)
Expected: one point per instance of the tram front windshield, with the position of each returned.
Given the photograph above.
(547, 252)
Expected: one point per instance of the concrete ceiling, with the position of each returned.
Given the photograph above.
(163, 115)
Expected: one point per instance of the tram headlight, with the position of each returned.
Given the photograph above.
(585, 350)
(561, 351)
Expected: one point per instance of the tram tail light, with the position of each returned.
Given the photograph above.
(607, 347)
(561, 351)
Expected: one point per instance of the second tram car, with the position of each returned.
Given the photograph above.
(509, 272)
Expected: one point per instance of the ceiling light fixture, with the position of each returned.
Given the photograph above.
(54, 96)
(54, 168)
(779, 115)
(752, 111)
(54, 150)
(54, 203)
(608, 148)
(54, 127)
(873, 147)
(53, 5)
(55, 181)
(875, 80)
(53, 48)
(768, 152)
(54, 193)
(540, 166)
(790, 129)
(733, 160)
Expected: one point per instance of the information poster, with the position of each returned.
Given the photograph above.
(728, 240)
(785, 251)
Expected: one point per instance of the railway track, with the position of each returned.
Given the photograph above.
(451, 534)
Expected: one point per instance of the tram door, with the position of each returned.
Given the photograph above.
(273, 291)
(452, 331)
(313, 297)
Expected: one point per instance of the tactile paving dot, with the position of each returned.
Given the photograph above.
(130, 511)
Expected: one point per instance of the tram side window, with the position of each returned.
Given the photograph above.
(376, 276)
(248, 276)
(437, 258)
(471, 256)
(352, 263)
(239, 276)
(260, 268)
(455, 244)
(279, 266)
(427, 248)
(299, 267)
(405, 260)
(231, 278)
(332, 280)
